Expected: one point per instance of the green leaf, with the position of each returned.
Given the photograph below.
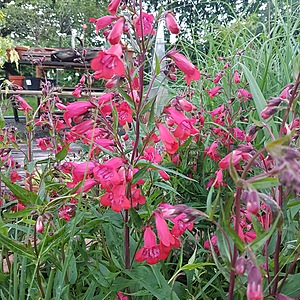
(273, 145)
(25, 196)
(153, 281)
(157, 64)
(190, 267)
(126, 97)
(2, 121)
(165, 186)
(209, 201)
(17, 247)
(296, 66)
(257, 226)
(3, 229)
(143, 162)
(62, 153)
(236, 239)
(19, 214)
(260, 241)
(265, 183)
(233, 173)
(275, 209)
(258, 98)
(72, 269)
(150, 124)
(115, 116)
(291, 287)
(140, 173)
(136, 219)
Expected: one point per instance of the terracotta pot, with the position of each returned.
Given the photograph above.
(21, 49)
(17, 79)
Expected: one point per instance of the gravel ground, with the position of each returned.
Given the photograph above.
(21, 127)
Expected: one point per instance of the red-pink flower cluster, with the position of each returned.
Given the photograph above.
(181, 216)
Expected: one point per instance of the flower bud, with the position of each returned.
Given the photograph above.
(39, 226)
(129, 175)
(172, 77)
(240, 265)
(253, 203)
(254, 287)
(171, 23)
(236, 77)
(268, 112)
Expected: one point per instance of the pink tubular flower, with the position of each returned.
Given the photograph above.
(183, 64)
(17, 207)
(214, 244)
(167, 138)
(185, 129)
(234, 157)
(44, 143)
(87, 185)
(22, 104)
(219, 179)
(254, 286)
(186, 105)
(236, 77)
(240, 265)
(103, 22)
(164, 234)
(238, 134)
(286, 93)
(67, 212)
(268, 112)
(137, 197)
(211, 151)
(116, 198)
(151, 155)
(107, 174)
(120, 296)
(185, 126)
(113, 6)
(252, 202)
(144, 24)
(151, 252)
(215, 91)
(83, 127)
(76, 109)
(108, 63)
(164, 175)
(180, 225)
(124, 113)
(80, 171)
(244, 95)
(77, 92)
(115, 34)
(218, 77)
(14, 176)
(171, 23)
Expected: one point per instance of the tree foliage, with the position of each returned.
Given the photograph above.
(196, 13)
(49, 23)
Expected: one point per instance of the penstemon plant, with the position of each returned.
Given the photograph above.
(128, 198)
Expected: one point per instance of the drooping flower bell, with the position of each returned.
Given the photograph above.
(191, 72)
(108, 63)
(168, 139)
(171, 23)
(151, 252)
